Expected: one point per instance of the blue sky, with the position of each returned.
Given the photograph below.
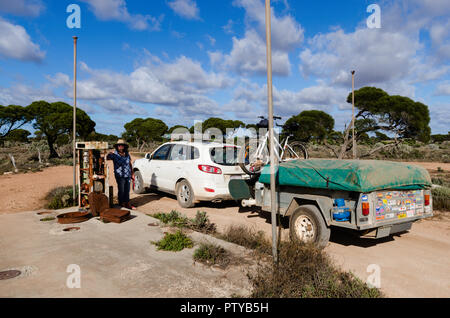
(187, 60)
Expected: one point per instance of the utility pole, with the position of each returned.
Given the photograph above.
(74, 116)
(353, 115)
(273, 202)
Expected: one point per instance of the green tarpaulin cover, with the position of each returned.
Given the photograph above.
(349, 175)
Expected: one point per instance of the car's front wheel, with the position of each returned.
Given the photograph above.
(138, 185)
(185, 194)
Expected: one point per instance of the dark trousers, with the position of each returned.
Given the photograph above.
(123, 184)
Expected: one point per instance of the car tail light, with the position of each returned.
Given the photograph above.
(209, 169)
(427, 199)
(209, 190)
(365, 208)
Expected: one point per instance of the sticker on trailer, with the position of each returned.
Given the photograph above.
(365, 198)
(419, 206)
(413, 206)
(392, 202)
(402, 208)
(381, 217)
(389, 215)
(410, 213)
(402, 216)
(385, 201)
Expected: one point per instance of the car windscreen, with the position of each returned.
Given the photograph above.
(225, 156)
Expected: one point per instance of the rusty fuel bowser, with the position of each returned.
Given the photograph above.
(93, 172)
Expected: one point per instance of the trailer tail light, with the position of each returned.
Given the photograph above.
(209, 169)
(427, 199)
(365, 208)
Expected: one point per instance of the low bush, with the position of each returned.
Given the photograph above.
(441, 198)
(304, 271)
(60, 198)
(174, 242)
(200, 223)
(247, 237)
(173, 218)
(211, 254)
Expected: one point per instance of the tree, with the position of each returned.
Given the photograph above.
(55, 119)
(176, 127)
(397, 114)
(144, 130)
(378, 111)
(18, 135)
(11, 118)
(309, 125)
(221, 124)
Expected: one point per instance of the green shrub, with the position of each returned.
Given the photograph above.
(304, 271)
(242, 235)
(60, 198)
(441, 198)
(173, 218)
(174, 242)
(201, 223)
(47, 219)
(211, 254)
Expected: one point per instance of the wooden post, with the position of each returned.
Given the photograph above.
(273, 198)
(74, 116)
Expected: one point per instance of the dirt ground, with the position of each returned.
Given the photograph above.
(414, 264)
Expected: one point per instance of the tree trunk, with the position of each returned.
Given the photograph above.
(53, 153)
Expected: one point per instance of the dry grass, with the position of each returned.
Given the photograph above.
(304, 271)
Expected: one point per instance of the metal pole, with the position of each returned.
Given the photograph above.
(74, 115)
(353, 115)
(271, 135)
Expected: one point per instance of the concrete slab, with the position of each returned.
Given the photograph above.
(115, 260)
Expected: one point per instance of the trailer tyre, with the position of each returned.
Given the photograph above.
(307, 225)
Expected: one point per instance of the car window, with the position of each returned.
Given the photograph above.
(226, 156)
(178, 152)
(194, 153)
(162, 153)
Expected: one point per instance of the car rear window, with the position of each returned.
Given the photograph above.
(225, 156)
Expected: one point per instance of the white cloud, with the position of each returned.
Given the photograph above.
(182, 84)
(22, 7)
(287, 34)
(443, 90)
(185, 8)
(248, 57)
(376, 56)
(116, 10)
(248, 54)
(15, 43)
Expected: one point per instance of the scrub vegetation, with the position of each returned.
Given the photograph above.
(211, 254)
(199, 223)
(174, 242)
(303, 271)
(60, 198)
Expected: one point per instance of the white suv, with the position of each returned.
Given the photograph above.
(193, 171)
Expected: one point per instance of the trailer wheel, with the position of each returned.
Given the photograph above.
(307, 225)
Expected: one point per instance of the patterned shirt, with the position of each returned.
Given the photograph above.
(122, 167)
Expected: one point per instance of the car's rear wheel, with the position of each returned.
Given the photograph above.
(138, 185)
(185, 194)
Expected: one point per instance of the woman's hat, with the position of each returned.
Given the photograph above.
(121, 142)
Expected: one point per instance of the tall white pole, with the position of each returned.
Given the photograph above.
(271, 135)
(353, 115)
(74, 115)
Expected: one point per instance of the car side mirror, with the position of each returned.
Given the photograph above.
(148, 156)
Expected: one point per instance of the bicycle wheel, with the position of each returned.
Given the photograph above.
(295, 150)
(250, 162)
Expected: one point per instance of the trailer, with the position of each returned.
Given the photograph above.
(369, 197)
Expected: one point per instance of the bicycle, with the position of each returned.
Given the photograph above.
(252, 162)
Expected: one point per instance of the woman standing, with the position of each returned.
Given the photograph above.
(123, 171)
